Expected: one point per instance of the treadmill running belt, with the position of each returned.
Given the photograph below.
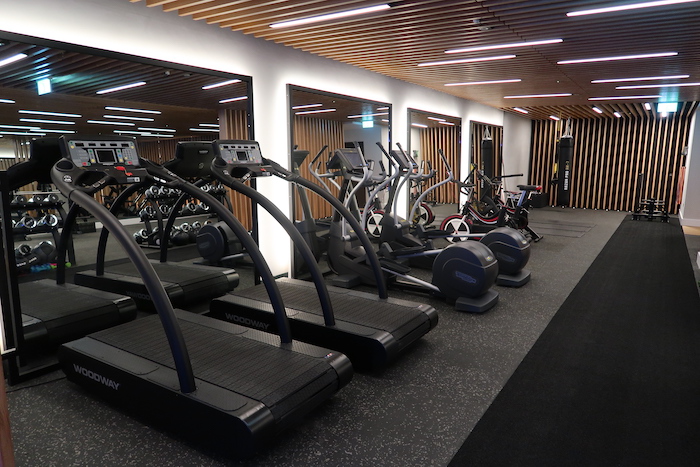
(353, 308)
(249, 367)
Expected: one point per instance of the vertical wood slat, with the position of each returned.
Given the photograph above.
(609, 155)
(448, 139)
(311, 134)
(233, 124)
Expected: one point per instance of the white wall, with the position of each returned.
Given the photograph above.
(136, 29)
(689, 212)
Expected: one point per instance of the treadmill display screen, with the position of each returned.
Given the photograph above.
(85, 153)
(240, 152)
(353, 158)
(106, 156)
(242, 155)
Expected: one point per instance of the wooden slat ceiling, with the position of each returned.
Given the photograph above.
(395, 41)
(76, 78)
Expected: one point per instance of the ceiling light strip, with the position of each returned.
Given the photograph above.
(125, 117)
(6, 101)
(306, 106)
(467, 60)
(216, 130)
(369, 115)
(218, 85)
(51, 114)
(121, 88)
(522, 111)
(596, 110)
(650, 86)
(12, 59)
(331, 16)
(631, 6)
(233, 99)
(37, 120)
(504, 46)
(170, 130)
(305, 112)
(620, 57)
(645, 78)
(528, 96)
(475, 83)
(102, 122)
(127, 109)
(612, 98)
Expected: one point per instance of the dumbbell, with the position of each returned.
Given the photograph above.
(48, 220)
(26, 222)
(141, 236)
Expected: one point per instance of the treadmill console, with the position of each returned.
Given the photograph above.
(350, 158)
(114, 156)
(240, 152)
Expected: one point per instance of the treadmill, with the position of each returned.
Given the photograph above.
(372, 330)
(226, 385)
(186, 284)
(50, 313)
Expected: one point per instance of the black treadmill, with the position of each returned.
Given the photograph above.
(52, 313)
(227, 385)
(372, 331)
(186, 284)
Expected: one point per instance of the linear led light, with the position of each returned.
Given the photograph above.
(436, 119)
(647, 106)
(306, 106)
(55, 131)
(129, 132)
(528, 96)
(649, 86)
(6, 101)
(646, 78)
(12, 59)
(19, 133)
(215, 125)
(223, 83)
(205, 129)
(331, 16)
(18, 127)
(157, 135)
(419, 125)
(52, 114)
(369, 115)
(617, 114)
(319, 111)
(498, 81)
(556, 119)
(169, 130)
(103, 122)
(382, 108)
(126, 109)
(385, 120)
(597, 110)
(121, 88)
(631, 6)
(233, 99)
(504, 46)
(620, 57)
(446, 123)
(612, 98)
(37, 120)
(124, 117)
(467, 60)
(522, 111)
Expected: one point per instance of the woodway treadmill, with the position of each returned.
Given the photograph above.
(372, 330)
(225, 384)
(52, 313)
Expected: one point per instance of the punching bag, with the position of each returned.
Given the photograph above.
(565, 153)
(487, 163)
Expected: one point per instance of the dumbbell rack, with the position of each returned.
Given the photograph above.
(49, 218)
(651, 209)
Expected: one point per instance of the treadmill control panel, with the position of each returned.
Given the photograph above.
(86, 153)
(240, 152)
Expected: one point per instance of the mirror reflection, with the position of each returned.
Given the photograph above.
(486, 154)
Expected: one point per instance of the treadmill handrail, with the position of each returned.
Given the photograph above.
(372, 257)
(173, 333)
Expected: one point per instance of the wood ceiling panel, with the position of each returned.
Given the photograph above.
(394, 41)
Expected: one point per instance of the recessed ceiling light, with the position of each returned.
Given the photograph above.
(527, 96)
(36, 120)
(121, 88)
(223, 83)
(647, 106)
(157, 129)
(306, 106)
(6, 101)
(467, 60)
(12, 59)
(472, 83)
(504, 46)
(369, 115)
(522, 111)
(649, 86)
(419, 125)
(331, 16)
(127, 109)
(646, 78)
(631, 6)
(319, 111)
(52, 114)
(556, 119)
(617, 114)
(233, 99)
(125, 117)
(620, 57)
(597, 110)
(612, 98)
(102, 122)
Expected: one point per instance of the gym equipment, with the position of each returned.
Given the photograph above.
(244, 386)
(464, 274)
(50, 312)
(649, 208)
(372, 332)
(562, 166)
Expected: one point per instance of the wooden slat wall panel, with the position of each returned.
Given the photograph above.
(311, 134)
(609, 155)
(234, 125)
(448, 139)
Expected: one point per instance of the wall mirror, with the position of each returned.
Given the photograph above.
(49, 88)
(428, 133)
(486, 152)
(319, 119)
